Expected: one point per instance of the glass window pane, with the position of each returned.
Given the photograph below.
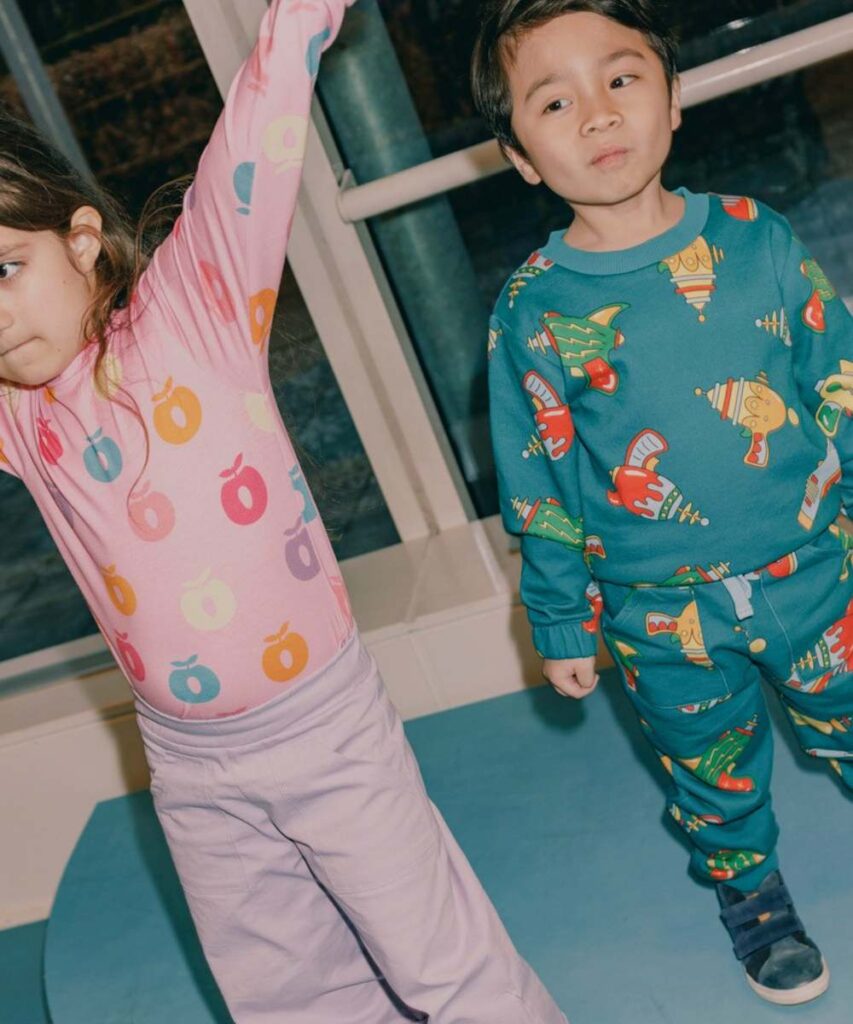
(10, 98)
(142, 102)
(787, 142)
(433, 44)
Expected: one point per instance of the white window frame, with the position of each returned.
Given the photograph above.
(347, 292)
(348, 296)
(741, 70)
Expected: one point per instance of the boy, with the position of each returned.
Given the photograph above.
(671, 385)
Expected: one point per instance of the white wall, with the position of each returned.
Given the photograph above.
(441, 616)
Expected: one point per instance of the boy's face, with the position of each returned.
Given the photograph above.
(591, 109)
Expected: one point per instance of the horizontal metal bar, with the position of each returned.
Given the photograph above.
(709, 81)
(24, 62)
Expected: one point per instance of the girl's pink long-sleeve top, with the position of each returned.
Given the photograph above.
(189, 526)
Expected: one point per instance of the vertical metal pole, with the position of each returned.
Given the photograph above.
(24, 62)
(379, 132)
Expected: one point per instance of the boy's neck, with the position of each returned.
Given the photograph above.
(622, 225)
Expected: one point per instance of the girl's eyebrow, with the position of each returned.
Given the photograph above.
(9, 250)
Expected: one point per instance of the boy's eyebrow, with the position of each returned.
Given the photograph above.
(619, 54)
(540, 83)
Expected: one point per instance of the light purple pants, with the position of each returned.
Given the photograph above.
(283, 817)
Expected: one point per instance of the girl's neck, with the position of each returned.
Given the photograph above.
(623, 225)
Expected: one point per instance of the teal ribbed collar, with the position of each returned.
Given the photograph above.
(623, 261)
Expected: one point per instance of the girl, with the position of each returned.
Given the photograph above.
(147, 433)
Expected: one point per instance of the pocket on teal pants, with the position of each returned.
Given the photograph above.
(656, 637)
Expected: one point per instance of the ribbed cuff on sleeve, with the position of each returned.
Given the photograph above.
(565, 640)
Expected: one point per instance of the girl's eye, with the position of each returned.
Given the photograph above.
(8, 270)
(622, 80)
(556, 105)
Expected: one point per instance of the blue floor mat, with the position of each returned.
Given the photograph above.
(560, 808)
(21, 989)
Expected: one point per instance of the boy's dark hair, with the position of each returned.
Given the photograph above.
(502, 24)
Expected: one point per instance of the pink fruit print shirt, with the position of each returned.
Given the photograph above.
(205, 564)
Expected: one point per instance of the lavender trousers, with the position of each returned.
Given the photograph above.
(324, 885)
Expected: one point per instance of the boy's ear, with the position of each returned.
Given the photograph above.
(84, 238)
(524, 167)
(675, 104)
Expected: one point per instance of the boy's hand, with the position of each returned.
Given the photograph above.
(571, 677)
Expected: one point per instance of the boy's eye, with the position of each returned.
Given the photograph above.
(556, 105)
(8, 270)
(622, 80)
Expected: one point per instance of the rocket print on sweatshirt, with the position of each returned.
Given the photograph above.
(692, 273)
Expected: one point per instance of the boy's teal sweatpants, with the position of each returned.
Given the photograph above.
(692, 656)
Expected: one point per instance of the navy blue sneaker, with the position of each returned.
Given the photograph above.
(782, 963)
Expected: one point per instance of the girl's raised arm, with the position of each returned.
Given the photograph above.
(216, 277)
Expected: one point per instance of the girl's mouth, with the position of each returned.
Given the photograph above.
(14, 348)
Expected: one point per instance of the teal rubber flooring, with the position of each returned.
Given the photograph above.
(560, 808)
(21, 988)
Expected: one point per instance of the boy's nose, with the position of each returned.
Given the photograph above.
(601, 119)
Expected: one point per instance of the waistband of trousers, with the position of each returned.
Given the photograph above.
(281, 717)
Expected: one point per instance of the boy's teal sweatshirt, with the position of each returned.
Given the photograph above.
(667, 414)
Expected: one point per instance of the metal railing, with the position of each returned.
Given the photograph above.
(707, 82)
(227, 28)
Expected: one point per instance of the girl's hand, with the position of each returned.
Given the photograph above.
(571, 677)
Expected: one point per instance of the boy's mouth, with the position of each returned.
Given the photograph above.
(610, 155)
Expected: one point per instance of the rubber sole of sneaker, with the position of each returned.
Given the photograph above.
(793, 996)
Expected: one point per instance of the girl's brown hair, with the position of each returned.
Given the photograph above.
(40, 191)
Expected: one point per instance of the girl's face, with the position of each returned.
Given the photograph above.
(46, 286)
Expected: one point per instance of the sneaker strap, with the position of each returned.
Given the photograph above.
(783, 921)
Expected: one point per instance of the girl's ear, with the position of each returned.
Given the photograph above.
(84, 238)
